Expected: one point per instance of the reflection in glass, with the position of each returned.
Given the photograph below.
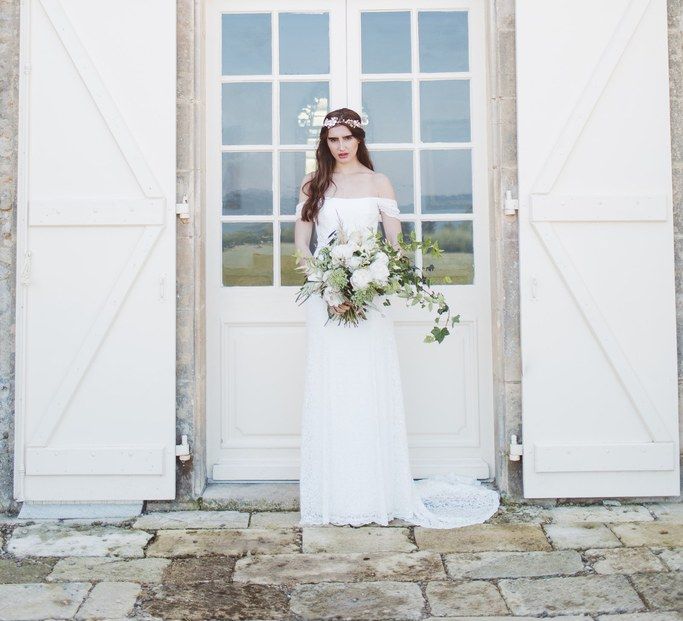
(446, 181)
(303, 106)
(246, 44)
(293, 167)
(247, 184)
(445, 111)
(389, 111)
(443, 41)
(304, 43)
(457, 261)
(247, 253)
(247, 113)
(385, 42)
(289, 275)
(398, 166)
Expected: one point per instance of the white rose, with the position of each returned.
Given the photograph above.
(354, 262)
(379, 271)
(361, 278)
(342, 252)
(382, 257)
(333, 297)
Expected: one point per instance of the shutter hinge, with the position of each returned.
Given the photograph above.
(183, 210)
(510, 205)
(516, 449)
(182, 450)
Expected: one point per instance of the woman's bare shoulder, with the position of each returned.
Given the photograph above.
(383, 185)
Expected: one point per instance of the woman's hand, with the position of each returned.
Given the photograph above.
(341, 309)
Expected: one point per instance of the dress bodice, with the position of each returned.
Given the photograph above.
(354, 213)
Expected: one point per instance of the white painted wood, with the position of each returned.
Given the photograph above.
(256, 335)
(599, 385)
(97, 211)
(552, 208)
(96, 312)
(135, 460)
(625, 457)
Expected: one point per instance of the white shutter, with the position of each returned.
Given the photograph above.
(96, 267)
(599, 384)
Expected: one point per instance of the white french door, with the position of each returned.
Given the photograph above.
(417, 70)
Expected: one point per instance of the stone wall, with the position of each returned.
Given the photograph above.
(504, 247)
(9, 116)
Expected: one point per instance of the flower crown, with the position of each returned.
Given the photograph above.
(335, 120)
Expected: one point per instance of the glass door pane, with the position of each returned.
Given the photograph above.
(275, 92)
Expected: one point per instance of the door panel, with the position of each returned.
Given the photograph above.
(96, 310)
(596, 251)
(255, 161)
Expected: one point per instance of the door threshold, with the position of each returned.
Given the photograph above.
(252, 496)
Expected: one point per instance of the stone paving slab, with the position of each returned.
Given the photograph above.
(346, 539)
(643, 616)
(175, 543)
(624, 561)
(667, 512)
(292, 569)
(663, 534)
(95, 569)
(192, 519)
(201, 569)
(660, 591)
(362, 601)
(275, 519)
(465, 598)
(672, 557)
(109, 600)
(581, 536)
(519, 514)
(34, 601)
(214, 600)
(57, 540)
(489, 565)
(19, 570)
(571, 595)
(510, 618)
(483, 537)
(598, 513)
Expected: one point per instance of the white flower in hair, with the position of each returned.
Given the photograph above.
(335, 120)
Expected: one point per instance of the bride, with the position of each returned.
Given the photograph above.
(354, 450)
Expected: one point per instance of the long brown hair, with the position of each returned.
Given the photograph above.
(316, 187)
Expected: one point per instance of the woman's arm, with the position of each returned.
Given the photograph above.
(392, 225)
(303, 230)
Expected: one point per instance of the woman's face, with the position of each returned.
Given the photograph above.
(342, 143)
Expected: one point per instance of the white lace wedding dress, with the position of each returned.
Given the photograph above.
(354, 452)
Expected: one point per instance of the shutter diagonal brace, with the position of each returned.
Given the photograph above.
(547, 233)
(150, 188)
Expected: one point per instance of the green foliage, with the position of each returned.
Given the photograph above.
(405, 280)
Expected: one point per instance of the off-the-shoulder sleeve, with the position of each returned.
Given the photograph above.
(389, 206)
(299, 207)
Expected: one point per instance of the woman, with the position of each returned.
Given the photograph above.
(354, 452)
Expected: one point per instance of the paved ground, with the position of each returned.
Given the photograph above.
(608, 563)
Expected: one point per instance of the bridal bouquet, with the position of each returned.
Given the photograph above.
(359, 267)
